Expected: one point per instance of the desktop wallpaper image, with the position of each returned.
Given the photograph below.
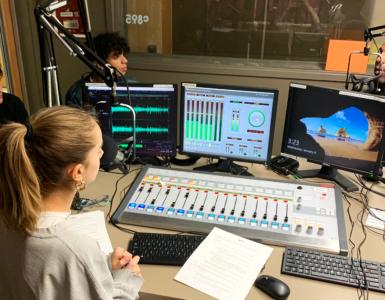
(342, 135)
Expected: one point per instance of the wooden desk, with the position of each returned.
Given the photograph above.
(159, 279)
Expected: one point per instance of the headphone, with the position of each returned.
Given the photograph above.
(364, 85)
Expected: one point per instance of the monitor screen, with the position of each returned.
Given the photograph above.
(227, 122)
(155, 108)
(335, 128)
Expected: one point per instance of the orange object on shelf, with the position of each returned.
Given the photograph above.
(338, 56)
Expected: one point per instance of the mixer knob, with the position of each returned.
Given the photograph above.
(298, 228)
(173, 204)
(201, 208)
(242, 213)
(232, 212)
(321, 231)
(265, 216)
(299, 199)
(275, 218)
(254, 215)
(222, 211)
(212, 209)
(286, 219)
(192, 206)
(309, 230)
(299, 206)
(153, 201)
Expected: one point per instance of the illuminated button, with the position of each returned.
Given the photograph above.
(180, 212)
(174, 179)
(192, 182)
(241, 221)
(170, 211)
(275, 225)
(286, 227)
(221, 218)
(231, 220)
(132, 206)
(150, 209)
(141, 207)
(190, 214)
(199, 215)
(264, 224)
(253, 222)
(160, 209)
(211, 217)
(147, 177)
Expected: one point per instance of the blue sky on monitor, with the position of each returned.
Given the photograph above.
(352, 119)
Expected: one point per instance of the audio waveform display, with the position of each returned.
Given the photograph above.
(148, 130)
(139, 109)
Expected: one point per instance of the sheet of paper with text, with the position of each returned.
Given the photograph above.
(224, 266)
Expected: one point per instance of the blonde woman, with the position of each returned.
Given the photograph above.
(43, 164)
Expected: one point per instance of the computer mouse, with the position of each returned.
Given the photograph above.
(274, 287)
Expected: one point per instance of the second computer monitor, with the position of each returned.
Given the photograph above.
(337, 129)
(155, 108)
(231, 123)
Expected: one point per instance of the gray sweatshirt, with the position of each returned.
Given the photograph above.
(58, 263)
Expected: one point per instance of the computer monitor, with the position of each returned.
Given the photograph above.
(156, 118)
(336, 129)
(231, 123)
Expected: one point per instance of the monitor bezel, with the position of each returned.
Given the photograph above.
(175, 112)
(294, 85)
(233, 87)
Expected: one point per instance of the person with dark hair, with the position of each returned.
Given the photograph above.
(11, 107)
(44, 163)
(380, 64)
(110, 47)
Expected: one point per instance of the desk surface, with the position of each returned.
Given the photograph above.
(159, 279)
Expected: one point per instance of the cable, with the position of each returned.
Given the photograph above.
(125, 81)
(116, 188)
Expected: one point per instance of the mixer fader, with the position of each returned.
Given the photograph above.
(278, 212)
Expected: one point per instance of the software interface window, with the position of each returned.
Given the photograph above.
(229, 123)
(154, 108)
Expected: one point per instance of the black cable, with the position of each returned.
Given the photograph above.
(116, 189)
(128, 90)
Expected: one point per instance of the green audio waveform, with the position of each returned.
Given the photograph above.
(139, 109)
(150, 130)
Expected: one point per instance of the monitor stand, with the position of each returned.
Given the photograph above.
(224, 166)
(331, 174)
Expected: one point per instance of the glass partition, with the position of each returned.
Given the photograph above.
(253, 31)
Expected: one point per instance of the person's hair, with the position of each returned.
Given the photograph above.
(34, 168)
(110, 42)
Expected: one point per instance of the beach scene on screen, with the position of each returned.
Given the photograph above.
(343, 135)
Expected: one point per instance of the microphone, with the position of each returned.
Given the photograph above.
(112, 155)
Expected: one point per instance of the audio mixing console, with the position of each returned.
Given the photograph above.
(282, 213)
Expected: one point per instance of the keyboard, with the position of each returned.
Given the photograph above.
(164, 249)
(374, 222)
(333, 268)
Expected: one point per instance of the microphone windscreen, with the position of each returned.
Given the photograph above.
(110, 150)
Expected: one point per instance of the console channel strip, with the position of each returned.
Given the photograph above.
(281, 213)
